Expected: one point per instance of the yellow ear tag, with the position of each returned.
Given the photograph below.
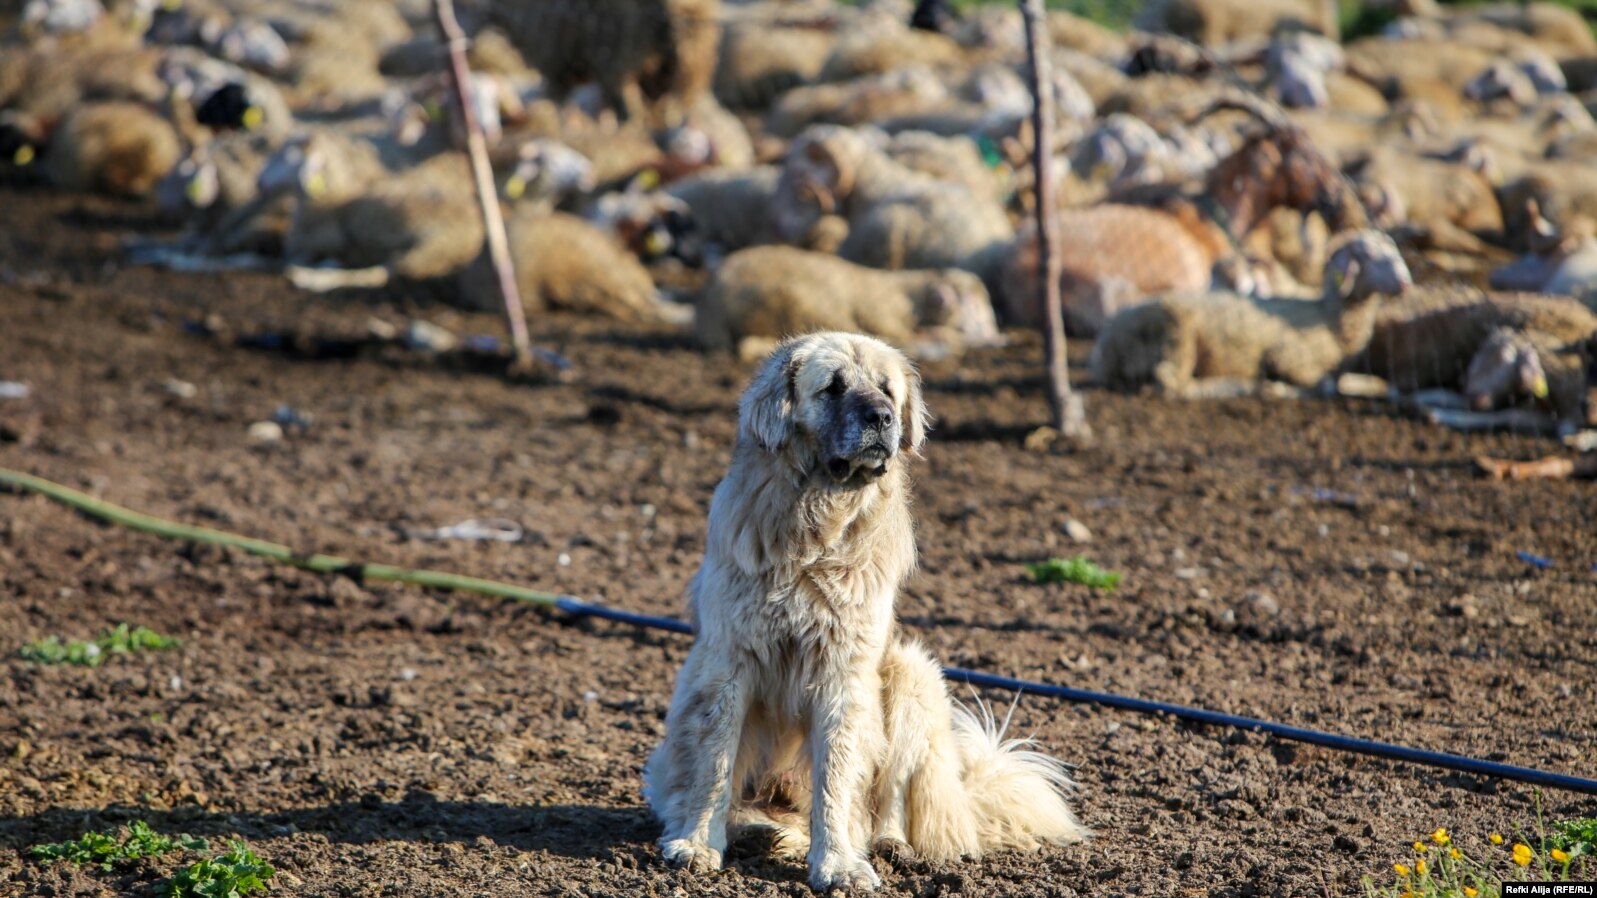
(316, 184)
(1540, 388)
(515, 187)
(433, 109)
(1336, 278)
(253, 117)
(192, 190)
(23, 155)
(656, 243)
(648, 179)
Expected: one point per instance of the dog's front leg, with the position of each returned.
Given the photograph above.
(846, 743)
(703, 732)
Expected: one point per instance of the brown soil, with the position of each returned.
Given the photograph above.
(385, 740)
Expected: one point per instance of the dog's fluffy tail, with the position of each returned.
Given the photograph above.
(967, 788)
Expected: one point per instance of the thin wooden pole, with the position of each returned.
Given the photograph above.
(1068, 414)
(487, 198)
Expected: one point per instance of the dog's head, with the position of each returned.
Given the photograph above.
(841, 406)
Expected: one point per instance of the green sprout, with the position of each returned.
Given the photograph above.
(232, 875)
(106, 848)
(122, 640)
(1074, 570)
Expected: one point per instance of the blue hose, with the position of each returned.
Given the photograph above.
(1350, 744)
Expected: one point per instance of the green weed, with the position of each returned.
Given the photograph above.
(122, 640)
(232, 875)
(106, 848)
(1074, 570)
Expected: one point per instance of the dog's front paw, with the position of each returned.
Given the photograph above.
(843, 873)
(691, 856)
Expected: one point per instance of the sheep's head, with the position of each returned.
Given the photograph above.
(817, 179)
(1501, 80)
(958, 301)
(1364, 266)
(547, 169)
(1505, 368)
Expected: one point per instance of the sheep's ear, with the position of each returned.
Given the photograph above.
(839, 175)
(1345, 273)
(765, 413)
(917, 418)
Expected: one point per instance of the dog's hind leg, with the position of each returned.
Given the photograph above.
(921, 797)
(691, 783)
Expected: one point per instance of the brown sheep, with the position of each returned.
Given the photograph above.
(564, 263)
(779, 291)
(760, 62)
(116, 147)
(1175, 341)
(646, 55)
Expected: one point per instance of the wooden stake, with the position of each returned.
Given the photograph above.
(1068, 414)
(487, 197)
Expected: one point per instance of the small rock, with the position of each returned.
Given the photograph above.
(1404, 681)
(182, 389)
(379, 329)
(425, 336)
(1188, 573)
(1263, 603)
(1077, 531)
(10, 389)
(264, 432)
(1040, 439)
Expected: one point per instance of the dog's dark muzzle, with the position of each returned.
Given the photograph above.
(865, 437)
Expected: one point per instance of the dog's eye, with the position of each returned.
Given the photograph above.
(836, 387)
(887, 388)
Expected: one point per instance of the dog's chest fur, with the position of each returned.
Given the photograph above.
(803, 578)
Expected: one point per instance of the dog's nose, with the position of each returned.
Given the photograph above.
(877, 414)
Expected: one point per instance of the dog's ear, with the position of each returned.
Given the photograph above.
(765, 413)
(917, 419)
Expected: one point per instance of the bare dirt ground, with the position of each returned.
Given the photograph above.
(384, 740)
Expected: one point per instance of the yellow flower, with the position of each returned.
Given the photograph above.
(1419, 847)
(1456, 854)
(1560, 856)
(1402, 869)
(1522, 854)
(1471, 892)
(1420, 867)
(1441, 837)
(1496, 839)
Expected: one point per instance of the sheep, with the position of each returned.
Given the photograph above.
(647, 56)
(118, 147)
(732, 209)
(421, 224)
(898, 93)
(775, 291)
(1560, 190)
(1519, 381)
(564, 263)
(1216, 22)
(1174, 341)
(1454, 205)
(897, 217)
(1107, 257)
(761, 61)
(1427, 340)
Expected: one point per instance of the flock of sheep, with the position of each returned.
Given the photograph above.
(1245, 199)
